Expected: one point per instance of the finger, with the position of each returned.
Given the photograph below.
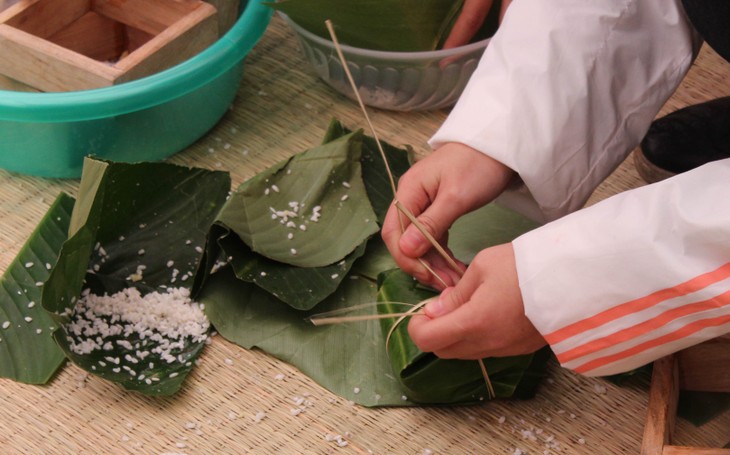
(445, 322)
(391, 233)
(463, 350)
(446, 275)
(468, 23)
(470, 349)
(435, 219)
(414, 193)
(444, 304)
(431, 268)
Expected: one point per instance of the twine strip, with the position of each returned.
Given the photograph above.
(434, 243)
(334, 316)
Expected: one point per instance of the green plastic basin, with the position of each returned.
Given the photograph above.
(49, 134)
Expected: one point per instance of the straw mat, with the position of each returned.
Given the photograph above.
(282, 108)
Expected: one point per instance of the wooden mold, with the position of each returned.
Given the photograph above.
(706, 368)
(227, 14)
(66, 45)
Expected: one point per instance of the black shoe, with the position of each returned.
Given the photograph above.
(684, 140)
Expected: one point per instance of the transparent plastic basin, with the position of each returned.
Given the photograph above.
(401, 81)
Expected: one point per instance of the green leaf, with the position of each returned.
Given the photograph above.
(26, 355)
(150, 376)
(377, 259)
(429, 379)
(389, 25)
(142, 226)
(304, 287)
(374, 175)
(347, 359)
(300, 287)
(292, 213)
(488, 226)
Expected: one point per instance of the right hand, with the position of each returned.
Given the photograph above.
(452, 181)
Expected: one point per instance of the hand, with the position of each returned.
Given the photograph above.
(482, 316)
(452, 181)
(470, 20)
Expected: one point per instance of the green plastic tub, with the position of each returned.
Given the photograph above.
(49, 134)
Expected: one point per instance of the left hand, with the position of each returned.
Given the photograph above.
(470, 20)
(482, 316)
(453, 180)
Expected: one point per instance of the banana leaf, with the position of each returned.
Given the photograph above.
(244, 299)
(346, 359)
(153, 215)
(285, 212)
(490, 225)
(377, 183)
(303, 287)
(351, 359)
(377, 260)
(428, 379)
(300, 287)
(27, 352)
(387, 25)
(125, 218)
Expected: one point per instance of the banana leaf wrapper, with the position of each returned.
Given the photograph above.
(428, 379)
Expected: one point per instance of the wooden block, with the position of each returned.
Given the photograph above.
(136, 38)
(184, 39)
(54, 45)
(5, 4)
(228, 11)
(158, 14)
(7, 83)
(662, 406)
(47, 66)
(682, 450)
(94, 36)
(706, 366)
(44, 18)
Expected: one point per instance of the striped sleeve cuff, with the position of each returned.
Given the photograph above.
(634, 278)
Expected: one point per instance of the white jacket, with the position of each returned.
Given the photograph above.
(565, 90)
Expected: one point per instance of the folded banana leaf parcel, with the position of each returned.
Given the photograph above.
(187, 257)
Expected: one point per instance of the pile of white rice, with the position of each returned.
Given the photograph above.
(158, 324)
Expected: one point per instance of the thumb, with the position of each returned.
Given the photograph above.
(445, 303)
(436, 220)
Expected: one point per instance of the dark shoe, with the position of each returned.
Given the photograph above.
(684, 140)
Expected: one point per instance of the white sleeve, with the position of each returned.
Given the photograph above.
(635, 277)
(567, 88)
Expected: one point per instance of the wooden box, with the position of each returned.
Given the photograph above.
(227, 14)
(706, 368)
(65, 45)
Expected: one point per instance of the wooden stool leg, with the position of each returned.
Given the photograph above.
(662, 406)
(662, 412)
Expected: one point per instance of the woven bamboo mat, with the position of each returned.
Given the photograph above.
(281, 109)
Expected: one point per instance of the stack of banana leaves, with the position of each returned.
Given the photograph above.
(297, 240)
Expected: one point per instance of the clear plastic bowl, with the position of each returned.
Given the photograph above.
(400, 81)
(49, 134)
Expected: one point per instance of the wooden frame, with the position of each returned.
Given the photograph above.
(705, 367)
(65, 45)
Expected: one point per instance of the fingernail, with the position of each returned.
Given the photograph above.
(434, 308)
(411, 240)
